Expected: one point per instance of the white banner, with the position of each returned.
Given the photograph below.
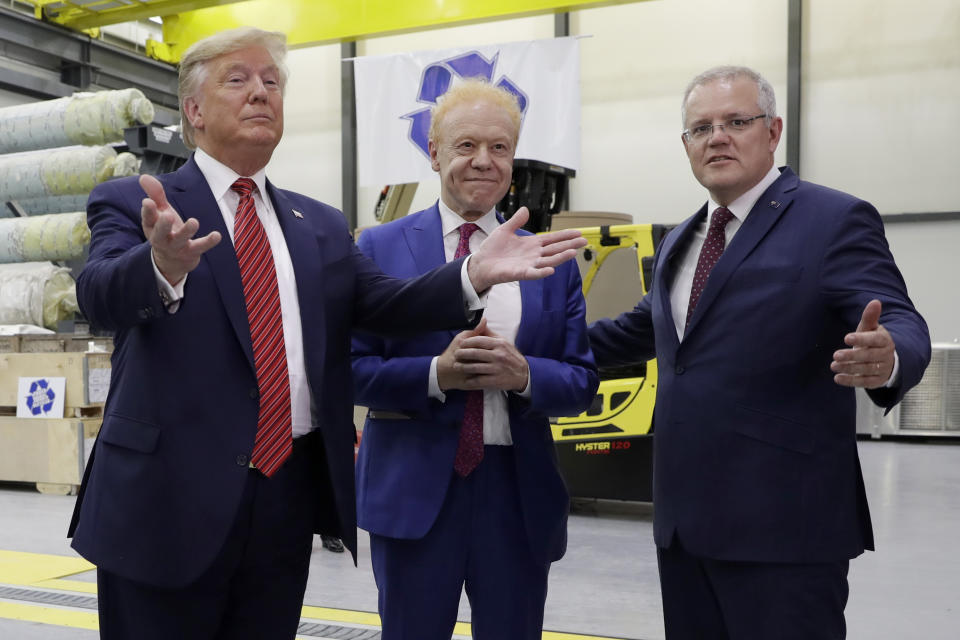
(395, 93)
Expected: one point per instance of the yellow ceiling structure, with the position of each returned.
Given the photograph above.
(305, 22)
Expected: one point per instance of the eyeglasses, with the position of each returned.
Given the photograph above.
(702, 132)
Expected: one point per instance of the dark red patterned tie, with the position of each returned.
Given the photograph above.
(470, 445)
(274, 441)
(709, 254)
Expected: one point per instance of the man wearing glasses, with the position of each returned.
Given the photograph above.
(768, 305)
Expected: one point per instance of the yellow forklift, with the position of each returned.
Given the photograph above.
(607, 451)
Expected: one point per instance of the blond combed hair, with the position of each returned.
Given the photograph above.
(193, 63)
(470, 91)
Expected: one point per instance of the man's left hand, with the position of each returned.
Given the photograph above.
(869, 361)
(491, 362)
(506, 257)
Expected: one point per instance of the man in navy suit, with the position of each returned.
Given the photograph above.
(227, 438)
(762, 321)
(440, 517)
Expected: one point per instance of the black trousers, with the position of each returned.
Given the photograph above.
(705, 599)
(254, 588)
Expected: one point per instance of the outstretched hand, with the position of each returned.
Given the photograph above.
(506, 257)
(175, 250)
(869, 361)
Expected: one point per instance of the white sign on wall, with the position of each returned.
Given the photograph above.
(394, 95)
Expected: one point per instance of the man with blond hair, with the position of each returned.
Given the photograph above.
(457, 477)
(227, 438)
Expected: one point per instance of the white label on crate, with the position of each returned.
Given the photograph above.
(41, 397)
(98, 383)
(88, 449)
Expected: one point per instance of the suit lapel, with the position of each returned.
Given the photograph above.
(303, 241)
(531, 304)
(425, 240)
(188, 193)
(771, 205)
(674, 246)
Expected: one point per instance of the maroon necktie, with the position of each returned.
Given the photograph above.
(709, 254)
(470, 445)
(274, 441)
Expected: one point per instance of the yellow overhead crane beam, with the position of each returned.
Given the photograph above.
(306, 22)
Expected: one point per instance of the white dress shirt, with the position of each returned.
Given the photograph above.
(503, 312)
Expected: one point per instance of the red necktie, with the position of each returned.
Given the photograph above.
(274, 441)
(709, 254)
(470, 445)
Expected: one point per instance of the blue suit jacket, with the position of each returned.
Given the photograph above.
(404, 466)
(170, 463)
(755, 447)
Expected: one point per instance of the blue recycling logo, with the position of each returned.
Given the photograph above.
(41, 397)
(436, 80)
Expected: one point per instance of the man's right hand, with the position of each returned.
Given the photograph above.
(447, 376)
(175, 250)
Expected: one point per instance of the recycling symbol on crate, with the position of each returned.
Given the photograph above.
(438, 77)
(41, 397)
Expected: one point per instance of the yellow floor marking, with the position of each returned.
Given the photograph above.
(340, 615)
(47, 572)
(19, 567)
(68, 585)
(49, 615)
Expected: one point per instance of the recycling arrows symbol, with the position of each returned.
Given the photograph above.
(437, 79)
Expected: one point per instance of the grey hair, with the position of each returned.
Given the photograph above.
(193, 63)
(766, 100)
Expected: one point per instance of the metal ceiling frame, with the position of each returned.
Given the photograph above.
(57, 62)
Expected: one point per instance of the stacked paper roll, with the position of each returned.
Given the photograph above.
(83, 118)
(60, 236)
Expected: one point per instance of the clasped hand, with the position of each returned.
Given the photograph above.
(175, 250)
(481, 359)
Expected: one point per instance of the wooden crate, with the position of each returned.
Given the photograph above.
(50, 453)
(87, 376)
(54, 343)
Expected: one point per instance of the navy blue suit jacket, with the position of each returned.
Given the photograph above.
(404, 466)
(170, 463)
(755, 445)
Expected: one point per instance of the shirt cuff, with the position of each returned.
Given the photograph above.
(433, 385)
(895, 375)
(525, 394)
(169, 294)
(475, 301)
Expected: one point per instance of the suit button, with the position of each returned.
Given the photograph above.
(679, 370)
(242, 460)
(254, 393)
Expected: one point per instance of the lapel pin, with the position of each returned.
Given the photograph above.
(773, 203)
(298, 214)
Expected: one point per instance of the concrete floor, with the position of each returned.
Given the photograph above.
(607, 584)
